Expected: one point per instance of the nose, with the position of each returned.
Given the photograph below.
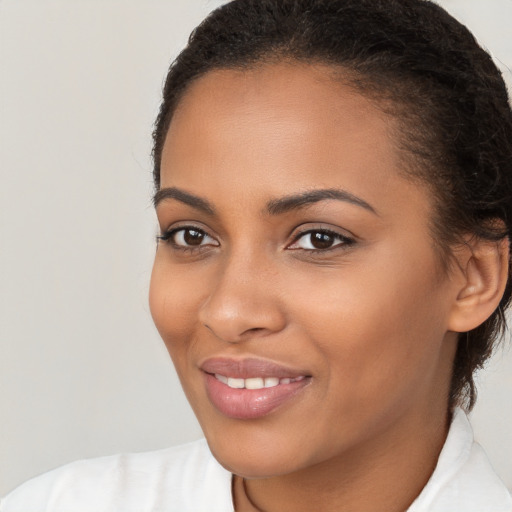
(243, 301)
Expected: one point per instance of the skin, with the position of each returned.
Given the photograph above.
(369, 320)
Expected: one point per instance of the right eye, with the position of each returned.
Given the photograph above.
(188, 237)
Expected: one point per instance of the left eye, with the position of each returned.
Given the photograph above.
(319, 240)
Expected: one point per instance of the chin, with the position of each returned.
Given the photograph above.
(252, 465)
(260, 449)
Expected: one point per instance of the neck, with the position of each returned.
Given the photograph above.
(385, 474)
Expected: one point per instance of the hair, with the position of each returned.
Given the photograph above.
(424, 69)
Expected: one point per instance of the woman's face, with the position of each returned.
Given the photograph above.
(299, 268)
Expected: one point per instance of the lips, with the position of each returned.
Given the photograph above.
(250, 388)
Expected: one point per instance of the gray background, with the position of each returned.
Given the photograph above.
(82, 370)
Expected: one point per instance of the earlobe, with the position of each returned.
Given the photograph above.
(485, 266)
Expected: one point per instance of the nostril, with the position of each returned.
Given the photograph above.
(252, 331)
(234, 337)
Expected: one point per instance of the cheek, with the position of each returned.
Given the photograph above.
(378, 327)
(173, 301)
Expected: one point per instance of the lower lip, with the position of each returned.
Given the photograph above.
(246, 404)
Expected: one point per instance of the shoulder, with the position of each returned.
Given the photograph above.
(181, 478)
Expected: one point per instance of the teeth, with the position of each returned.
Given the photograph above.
(223, 379)
(255, 382)
(236, 383)
(270, 382)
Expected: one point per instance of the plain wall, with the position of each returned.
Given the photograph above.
(82, 369)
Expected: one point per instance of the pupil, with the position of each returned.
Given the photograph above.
(193, 237)
(321, 240)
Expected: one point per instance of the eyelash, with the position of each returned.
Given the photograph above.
(344, 241)
(168, 236)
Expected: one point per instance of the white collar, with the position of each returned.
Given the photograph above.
(463, 480)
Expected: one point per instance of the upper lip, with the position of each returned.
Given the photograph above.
(249, 367)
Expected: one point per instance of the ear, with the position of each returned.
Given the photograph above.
(484, 267)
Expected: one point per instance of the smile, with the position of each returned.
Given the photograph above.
(251, 388)
(256, 382)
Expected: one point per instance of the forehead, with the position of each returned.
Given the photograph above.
(278, 129)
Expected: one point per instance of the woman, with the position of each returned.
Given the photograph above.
(333, 188)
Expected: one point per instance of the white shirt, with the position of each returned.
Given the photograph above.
(188, 479)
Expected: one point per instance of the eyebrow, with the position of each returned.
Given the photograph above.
(184, 197)
(274, 206)
(297, 201)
